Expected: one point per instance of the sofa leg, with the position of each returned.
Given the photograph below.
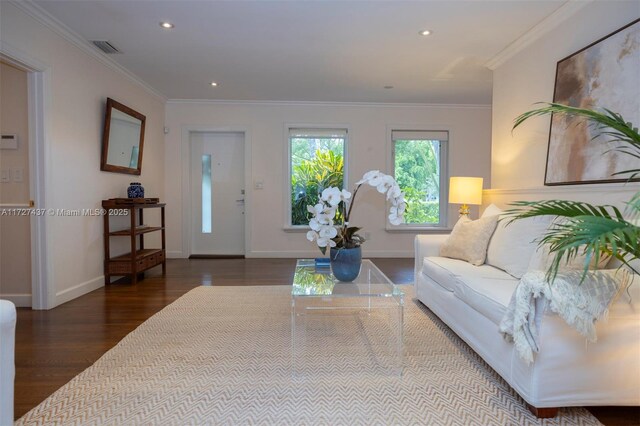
(543, 413)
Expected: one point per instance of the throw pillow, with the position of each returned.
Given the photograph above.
(513, 244)
(491, 210)
(469, 239)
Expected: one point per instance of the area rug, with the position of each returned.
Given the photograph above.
(222, 356)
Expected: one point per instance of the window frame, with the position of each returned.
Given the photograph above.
(443, 225)
(288, 127)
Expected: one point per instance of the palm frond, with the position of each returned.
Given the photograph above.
(591, 236)
(633, 209)
(588, 229)
(562, 208)
(622, 131)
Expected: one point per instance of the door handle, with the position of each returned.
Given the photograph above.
(240, 201)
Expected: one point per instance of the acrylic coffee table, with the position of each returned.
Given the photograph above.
(352, 328)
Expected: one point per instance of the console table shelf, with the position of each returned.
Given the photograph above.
(139, 230)
(139, 259)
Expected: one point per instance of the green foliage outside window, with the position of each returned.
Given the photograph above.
(417, 171)
(316, 164)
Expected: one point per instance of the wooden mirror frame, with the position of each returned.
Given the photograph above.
(104, 166)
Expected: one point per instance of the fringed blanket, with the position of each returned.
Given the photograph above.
(579, 304)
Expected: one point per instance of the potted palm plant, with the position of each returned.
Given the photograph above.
(593, 230)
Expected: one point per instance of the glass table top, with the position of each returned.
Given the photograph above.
(312, 280)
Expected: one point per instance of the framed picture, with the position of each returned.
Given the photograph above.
(605, 74)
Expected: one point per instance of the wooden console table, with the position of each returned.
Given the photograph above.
(139, 259)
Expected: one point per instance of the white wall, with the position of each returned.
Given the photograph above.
(15, 243)
(77, 90)
(518, 160)
(469, 154)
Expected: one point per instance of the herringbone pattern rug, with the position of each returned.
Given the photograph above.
(222, 356)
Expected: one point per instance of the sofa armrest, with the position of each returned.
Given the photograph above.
(426, 245)
(7, 360)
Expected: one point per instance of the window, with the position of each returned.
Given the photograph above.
(316, 162)
(419, 166)
(206, 194)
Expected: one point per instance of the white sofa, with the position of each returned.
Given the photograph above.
(568, 371)
(7, 365)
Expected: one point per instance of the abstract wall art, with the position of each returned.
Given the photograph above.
(605, 74)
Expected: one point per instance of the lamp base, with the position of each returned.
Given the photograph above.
(464, 210)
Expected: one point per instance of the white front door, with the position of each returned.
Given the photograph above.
(217, 193)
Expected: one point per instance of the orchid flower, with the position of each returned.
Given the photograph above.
(334, 196)
(394, 193)
(332, 199)
(316, 210)
(396, 214)
(372, 176)
(385, 183)
(328, 232)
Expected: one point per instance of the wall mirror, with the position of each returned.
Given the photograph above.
(122, 140)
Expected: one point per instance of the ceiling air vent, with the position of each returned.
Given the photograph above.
(105, 46)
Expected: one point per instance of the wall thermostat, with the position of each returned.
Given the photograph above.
(9, 142)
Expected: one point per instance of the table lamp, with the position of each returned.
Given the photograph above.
(465, 190)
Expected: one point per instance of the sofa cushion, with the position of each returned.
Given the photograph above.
(488, 292)
(439, 270)
(469, 239)
(513, 244)
(446, 272)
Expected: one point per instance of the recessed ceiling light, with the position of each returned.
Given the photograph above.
(388, 87)
(425, 32)
(214, 84)
(167, 25)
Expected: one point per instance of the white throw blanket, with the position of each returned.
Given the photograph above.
(579, 304)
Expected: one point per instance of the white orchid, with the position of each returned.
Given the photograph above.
(325, 242)
(328, 232)
(335, 200)
(396, 214)
(334, 196)
(315, 224)
(316, 210)
(394, 193)
(385, 183)
(370, 178)
(312, 235)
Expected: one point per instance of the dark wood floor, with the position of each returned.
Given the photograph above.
(54, 346)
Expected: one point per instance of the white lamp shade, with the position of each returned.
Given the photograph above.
(465, 190)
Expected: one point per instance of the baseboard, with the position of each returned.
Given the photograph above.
(20, 300)
(78, 290)
(302, 254)
(397, 254)
(175, 254)
(216, 256)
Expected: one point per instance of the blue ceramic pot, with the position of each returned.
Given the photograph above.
(345, 263)
(135, 190)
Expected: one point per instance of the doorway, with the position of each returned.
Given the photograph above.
(217, 193)
(15, 193)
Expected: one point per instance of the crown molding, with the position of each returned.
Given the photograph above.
(322, 103)
(20, 58)
(45, 18)
(552, 21)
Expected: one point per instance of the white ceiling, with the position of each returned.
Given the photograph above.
(338, 51)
